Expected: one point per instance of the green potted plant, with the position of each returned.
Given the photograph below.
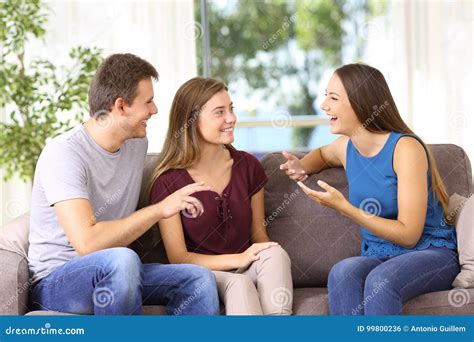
(40, 99)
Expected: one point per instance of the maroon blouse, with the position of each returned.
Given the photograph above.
(225, 226)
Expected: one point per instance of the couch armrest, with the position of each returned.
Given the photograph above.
(14, 283)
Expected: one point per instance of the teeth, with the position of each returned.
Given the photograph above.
(227, 130)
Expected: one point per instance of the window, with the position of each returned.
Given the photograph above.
(276, 58)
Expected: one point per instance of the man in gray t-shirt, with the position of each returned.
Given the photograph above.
(85, 193)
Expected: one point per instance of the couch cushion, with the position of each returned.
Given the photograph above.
(465, 235)
(454, 168)
(14, 283)
(310, 301)
(443, 303)
(314, 301)
(14, 235)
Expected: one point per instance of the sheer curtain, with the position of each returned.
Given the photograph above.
(425, 49)
(161, 32)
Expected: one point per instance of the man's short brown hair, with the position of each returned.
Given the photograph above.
(118, 76)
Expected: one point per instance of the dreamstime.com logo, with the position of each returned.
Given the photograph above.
(458, 297)
(371, 207)
(281, 296)
(103, 297)
(46, 330)
(286, 202)
(281, 119)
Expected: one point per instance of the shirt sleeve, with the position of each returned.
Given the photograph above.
(161, 189)
(62, 174)
(257, 175)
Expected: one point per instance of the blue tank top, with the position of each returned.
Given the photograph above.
(373, 188)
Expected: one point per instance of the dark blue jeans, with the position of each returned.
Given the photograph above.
(115, 282)
(373, 286)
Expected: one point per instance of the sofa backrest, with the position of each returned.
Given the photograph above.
(315, 237)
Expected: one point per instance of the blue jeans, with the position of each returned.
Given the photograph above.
(380, 286)
(115, 282)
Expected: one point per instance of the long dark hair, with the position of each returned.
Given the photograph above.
(373, 104)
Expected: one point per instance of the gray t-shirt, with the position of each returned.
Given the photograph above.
(71, 166)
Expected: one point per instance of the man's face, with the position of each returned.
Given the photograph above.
(137, 114)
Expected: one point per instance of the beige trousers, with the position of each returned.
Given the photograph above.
(265, 288)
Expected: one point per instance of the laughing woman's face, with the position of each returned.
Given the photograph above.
(337, 106)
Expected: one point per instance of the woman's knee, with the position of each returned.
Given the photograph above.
(275, 253)
(341, 270)
(239, 281)
(378, 280)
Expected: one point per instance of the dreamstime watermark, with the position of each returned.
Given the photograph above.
(288, 199)
(189, 122)
(371, 207)
(281, 296)
(46, 330)
(284, 27)
(191, 298)
(458, 297)
(103, 297)
(108, 202)
(103, 119)
(189, 214)
(372, 30)
(370, 296)
(459, 121)
(376, 111)
(14, 208)
(193, 30)
(281, 119)
(23, 288)
(453, 213)
(15, 29)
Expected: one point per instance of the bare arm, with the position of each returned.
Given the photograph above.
(173, 238)
(258, 230)
(332, 155)
(411, 166)
(86, 235)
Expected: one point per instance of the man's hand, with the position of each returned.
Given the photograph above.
(182, 200)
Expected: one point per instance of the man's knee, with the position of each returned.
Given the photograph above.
(123, 262)
(200, 278)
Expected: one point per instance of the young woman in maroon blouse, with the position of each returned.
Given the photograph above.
(229, 237)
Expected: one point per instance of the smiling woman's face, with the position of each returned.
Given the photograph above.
(217, 120)
(336, 104)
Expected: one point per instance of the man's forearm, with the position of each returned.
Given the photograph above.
(122, 232)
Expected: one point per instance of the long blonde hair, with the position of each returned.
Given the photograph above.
(181, 148)
(367, 89)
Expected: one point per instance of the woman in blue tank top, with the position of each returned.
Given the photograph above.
(396, 195)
